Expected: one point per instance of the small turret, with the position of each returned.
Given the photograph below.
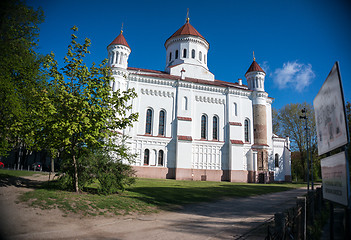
(118, 52)
(255, 76)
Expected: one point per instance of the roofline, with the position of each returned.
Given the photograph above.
(186, 35)
(165, 75)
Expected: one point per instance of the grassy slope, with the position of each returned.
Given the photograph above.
(15, 173)
(147, 195)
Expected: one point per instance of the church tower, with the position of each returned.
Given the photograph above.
(255, 78)
(118, 54)
(187, 53)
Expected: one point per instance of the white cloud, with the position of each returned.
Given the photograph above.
(265, 67)
(294, 75)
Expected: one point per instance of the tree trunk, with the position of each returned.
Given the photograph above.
(75, 173)
(52, 164)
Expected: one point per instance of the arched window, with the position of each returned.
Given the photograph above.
(185, 103)
(116, 58)
(203, 126)
(160, 158)
(205, 58)
(215, 128)
(193, 53)
(235, 109)
(170, 56)
(146, 156)
(246, 129)
(184, 53)
(176, 54)
(161, 123)
(110, 57)
(121, 58)
(200, 56)
(276, 160)
(148, 121)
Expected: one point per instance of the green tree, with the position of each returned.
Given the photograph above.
(86, 114)
(21, 78)
(275, 121)
(290, 124)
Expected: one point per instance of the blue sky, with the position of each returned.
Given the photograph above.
(295, 42)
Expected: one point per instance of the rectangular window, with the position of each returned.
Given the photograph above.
(276, 160)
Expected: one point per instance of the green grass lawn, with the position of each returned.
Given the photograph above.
(145, 196)
(18, 173)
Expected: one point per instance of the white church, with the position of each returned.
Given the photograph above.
(194, 127)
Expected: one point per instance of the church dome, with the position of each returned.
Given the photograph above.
(120, 40)
(255, 77)
(186, 29)
(186, 52)
(254, 67)
(118, 52)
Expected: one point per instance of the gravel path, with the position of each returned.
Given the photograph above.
(225, 219)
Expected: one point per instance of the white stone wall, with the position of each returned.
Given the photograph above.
(206, 156)
(280, 147)
(184, 104)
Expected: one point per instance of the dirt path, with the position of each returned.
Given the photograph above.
(225, 219)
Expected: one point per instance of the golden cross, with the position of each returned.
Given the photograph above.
(253, 54)
(187, 15)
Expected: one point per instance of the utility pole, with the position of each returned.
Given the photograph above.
(304, 116)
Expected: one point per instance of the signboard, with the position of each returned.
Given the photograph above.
(329, 109)
(334, 177)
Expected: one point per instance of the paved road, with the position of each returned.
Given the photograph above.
(225, 219)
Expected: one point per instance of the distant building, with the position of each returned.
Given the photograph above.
(194, 127)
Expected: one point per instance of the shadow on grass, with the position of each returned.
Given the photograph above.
(164, 195)
(7, 180)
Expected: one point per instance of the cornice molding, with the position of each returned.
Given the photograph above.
(156, 93)
(191, 85)
(209, 99)
(189, 38)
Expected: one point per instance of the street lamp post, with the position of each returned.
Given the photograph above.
(304, 116)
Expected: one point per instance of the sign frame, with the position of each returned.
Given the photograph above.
(330, 113)
(335, 178)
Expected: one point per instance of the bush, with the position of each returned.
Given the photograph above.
(85, 172)
(111, 172)
(113, 175)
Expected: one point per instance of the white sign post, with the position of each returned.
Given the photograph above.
(332, 133)
(334, 170)
(329, 109)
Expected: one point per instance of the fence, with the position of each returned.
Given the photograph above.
(292, 223)
(25, 168)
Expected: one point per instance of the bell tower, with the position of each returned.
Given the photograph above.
(255, 78)
(118, 54)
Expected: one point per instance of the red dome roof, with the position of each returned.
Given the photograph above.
(186, 29)
(254, 68)
(120, 40)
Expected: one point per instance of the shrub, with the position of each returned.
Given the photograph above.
(112, 174)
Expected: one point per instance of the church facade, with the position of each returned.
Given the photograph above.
(194, 127)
